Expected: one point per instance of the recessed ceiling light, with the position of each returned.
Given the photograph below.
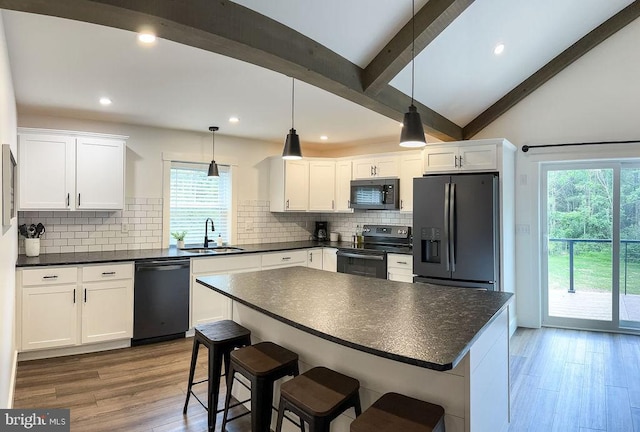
(105, 101)
(324, 137)
(498, 49)
(147, 38)
(234, 119)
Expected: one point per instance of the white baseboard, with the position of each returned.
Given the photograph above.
(80, 349)
(12, 380)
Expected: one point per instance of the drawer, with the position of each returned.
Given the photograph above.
(49, 276)
(292, 258)
(225, 264)
(99, 273)
(400, 261)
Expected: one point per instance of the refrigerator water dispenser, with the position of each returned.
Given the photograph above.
(430, 245)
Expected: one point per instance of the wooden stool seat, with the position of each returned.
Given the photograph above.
(262, 364)
(318, 396)
(394, 412)
(220, 338)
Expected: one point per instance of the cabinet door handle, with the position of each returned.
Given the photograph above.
(455, 161)
(375, 170)
(401, 204)
(310, 256)
(74, 295)
(78, 199)
(371, 170)
(333, 206)
(287, 206)
(348, 203)
(460, 161)
(402, 262)
(286, 258)
(111, 273)
(85, 295)
(68, 196)
(50, 277)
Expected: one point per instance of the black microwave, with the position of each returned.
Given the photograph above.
(375, 194)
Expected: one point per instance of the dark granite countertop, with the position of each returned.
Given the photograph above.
(162, 254)
(420, 324)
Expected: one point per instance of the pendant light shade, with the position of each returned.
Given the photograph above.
(213, 167)
(412, 134)
(292, 148)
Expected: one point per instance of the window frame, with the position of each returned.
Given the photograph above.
(167, 159)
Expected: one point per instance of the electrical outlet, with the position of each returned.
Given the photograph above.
(125, 228)
(248, 226)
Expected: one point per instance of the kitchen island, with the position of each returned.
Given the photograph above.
(445, 345)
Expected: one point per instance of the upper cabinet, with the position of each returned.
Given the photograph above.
(461, 156)
(61, 170)
(382, 166)
(343, 186)
(322, 185)
(410, 167)
(289, 188)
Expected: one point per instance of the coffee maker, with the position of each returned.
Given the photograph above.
(321, 232)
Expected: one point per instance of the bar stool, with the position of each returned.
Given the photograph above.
(262, 364)
(220, 338)
(318, 396)
(395, 412)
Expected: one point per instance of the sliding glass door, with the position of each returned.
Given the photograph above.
(591, 257)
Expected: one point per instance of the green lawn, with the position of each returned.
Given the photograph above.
(592, 272)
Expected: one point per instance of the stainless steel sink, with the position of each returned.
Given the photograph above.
(214, 249)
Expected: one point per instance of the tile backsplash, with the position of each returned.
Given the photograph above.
(97, 231)
(139, 226)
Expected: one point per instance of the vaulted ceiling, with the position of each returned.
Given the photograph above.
(218, 58)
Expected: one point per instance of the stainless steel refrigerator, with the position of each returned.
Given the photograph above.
(456, 230)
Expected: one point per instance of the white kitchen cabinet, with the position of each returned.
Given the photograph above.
(107, 302)
(410, 167)
(206, 304)
(63, 170)
(460, 156)
(343, 186)
(400, 267)
(283, 259)
(49, 308)
(380, 166)
(322, 185)
(67, 306)
(289, 187)
(314, 258)
(330, 259)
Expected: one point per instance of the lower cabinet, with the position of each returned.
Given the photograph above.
(330, 259)
(314, 258)
(284, 259)
(67, 306)
(107, 302)
(206, 304)
(400, 267)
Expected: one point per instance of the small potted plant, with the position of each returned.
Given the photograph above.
(179, 236)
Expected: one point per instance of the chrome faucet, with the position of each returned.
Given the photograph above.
(206, 232)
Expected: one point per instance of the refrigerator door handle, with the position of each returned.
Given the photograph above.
(447, 242)
(452, 227)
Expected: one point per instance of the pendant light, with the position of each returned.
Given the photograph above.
(292, 143)
(412, 134)
(213, 167)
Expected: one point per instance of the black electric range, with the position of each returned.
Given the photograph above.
(370, 257)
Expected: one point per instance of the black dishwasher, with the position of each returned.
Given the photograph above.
(160, 301)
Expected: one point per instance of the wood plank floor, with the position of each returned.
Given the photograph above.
(561, 380)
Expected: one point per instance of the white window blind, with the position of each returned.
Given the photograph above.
(194, 197)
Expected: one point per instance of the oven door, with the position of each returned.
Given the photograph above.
(362, 264)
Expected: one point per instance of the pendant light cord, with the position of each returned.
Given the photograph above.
(293, 92)
(413, 45)
(213, 144)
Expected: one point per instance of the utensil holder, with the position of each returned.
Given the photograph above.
(32, 247)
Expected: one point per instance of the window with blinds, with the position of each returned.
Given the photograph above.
(194, 197)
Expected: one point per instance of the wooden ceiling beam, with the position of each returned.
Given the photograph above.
(554, 67)
(227, 28)
(430, 21)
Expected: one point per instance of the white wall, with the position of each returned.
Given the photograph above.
(8, 240)
(597, 98)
